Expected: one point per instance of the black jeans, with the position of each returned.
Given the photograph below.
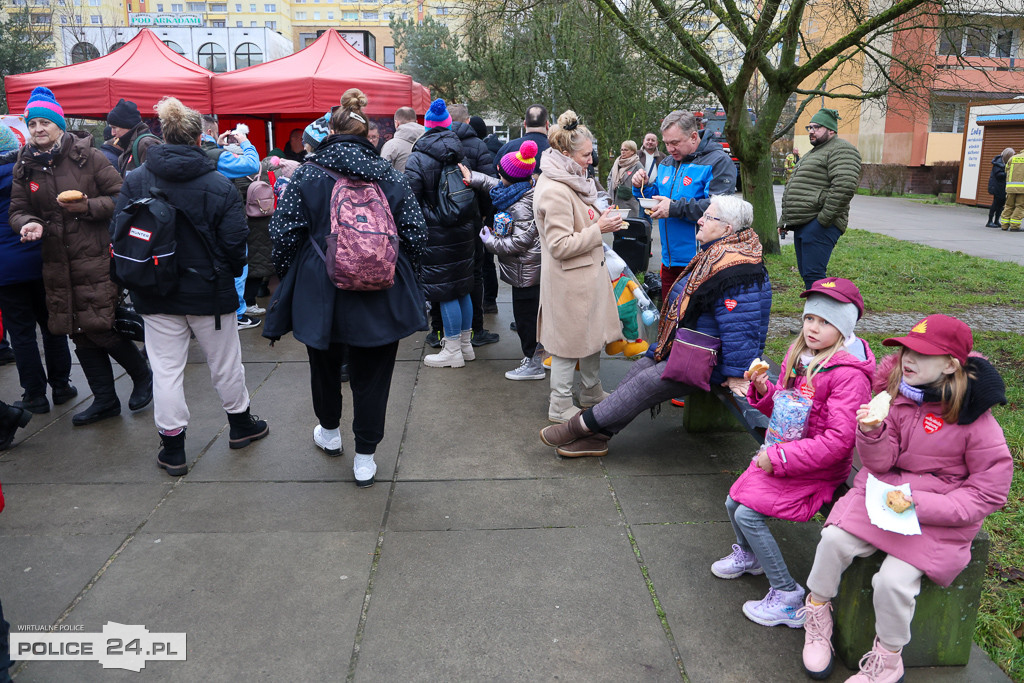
(477, 295)
(998, 202)
(370, 370)
(525, 302)
(490, 279)
(24, 307)
(814, 244)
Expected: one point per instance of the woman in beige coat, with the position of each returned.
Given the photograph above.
(577, 314)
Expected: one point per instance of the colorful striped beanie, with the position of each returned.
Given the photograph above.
(437, 116)
(519, 165)
(42, 104)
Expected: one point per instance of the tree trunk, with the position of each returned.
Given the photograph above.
(759, 191)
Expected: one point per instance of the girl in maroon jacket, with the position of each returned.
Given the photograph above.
(791, 479)
(941, 439)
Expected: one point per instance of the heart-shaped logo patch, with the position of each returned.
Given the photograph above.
(730, 304)
(34, 187)
(932, 423)
(807, 392)
(590, 212)
(687, 180)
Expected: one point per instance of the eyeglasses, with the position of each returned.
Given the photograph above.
(713, 218)
(813, 127)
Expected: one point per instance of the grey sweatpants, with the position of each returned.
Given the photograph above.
(167, 340)
(641, 389)
(895, 586)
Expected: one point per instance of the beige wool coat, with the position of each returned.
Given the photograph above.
(577, 315)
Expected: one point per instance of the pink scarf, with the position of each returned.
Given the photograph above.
(557, 166)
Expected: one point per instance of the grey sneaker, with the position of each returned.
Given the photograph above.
(528, 369)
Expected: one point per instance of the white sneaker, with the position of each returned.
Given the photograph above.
(330, 446)
(255, 310)
(364, 469)
(528, 369)
(246, 322)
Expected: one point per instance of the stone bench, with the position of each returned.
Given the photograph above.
(720, 410)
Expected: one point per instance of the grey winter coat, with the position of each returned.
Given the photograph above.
(822, 186)
(397, 149)
(519, 251)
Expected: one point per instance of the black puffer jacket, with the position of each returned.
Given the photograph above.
(478, 156)
(210, 201)
(447, 266)
(307, 303)
(997, 178)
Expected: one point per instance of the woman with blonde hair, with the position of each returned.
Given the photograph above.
(577, 314)
(620, 178)
(328, 319)
(211, 236)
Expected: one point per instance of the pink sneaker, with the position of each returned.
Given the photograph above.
(879, 666)
(778, 608)
(818, 650)
(736, 565)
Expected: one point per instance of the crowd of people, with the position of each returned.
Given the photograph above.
(362, 236)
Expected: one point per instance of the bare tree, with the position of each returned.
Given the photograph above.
(789, 49)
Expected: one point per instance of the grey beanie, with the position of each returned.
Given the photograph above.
(842, 316)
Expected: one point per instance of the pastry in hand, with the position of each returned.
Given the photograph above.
(757, 367)
(895, 500)
(878, 409)
(68, 196)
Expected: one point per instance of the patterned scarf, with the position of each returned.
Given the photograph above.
(504, 196)
(739, 248)
(44, 158)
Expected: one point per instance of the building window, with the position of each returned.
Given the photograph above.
(270, 7)
(370, 16)
(116, 46)
(330, 16)
(218, 23)
(270, 24)
(219, 7)
(386, 16)
(248, 54)
(160, 8)
(174, 46)
(316, 16)
(389, 58)
(1003, 43)
(350, 16)
(197, 7)
(252, 24)
(252, 7)
(238, 8)
(405, 15)
(976, 41)
(177, 7)
(83, 51)
(94, 3)
(213, 57)
(445, 10)
(238, 24)
(95, 19)
(300, 16)
(947, 117)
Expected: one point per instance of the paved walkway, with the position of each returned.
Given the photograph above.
(477, 556)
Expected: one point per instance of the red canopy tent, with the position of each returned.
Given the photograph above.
(143, 71)
(293, 91)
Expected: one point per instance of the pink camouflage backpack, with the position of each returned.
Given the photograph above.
(362, 247)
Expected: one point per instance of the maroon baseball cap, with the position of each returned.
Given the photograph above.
(840, 289)
(937, 335)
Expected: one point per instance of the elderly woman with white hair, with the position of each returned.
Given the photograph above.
(723, 293)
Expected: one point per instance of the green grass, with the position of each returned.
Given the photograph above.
(941, 198)
(902, 277)
(1001, 613)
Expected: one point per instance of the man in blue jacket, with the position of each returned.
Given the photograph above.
(233, 167)
(696, 169)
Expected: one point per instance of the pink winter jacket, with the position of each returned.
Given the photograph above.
(816, 464)
(958, 475)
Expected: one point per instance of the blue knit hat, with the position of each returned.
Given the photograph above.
(316, 131)
(8, 140)
(42, 104)
(437, 116)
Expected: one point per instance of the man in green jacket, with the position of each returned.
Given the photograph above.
(816, 201)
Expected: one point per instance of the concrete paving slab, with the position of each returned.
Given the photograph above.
(252, 507)
(69, 509)
(235, 597)
(40, 575)
(554, 604)
(670, 498)
(502, 504)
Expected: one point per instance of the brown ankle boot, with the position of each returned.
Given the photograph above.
(565, 433)
(594, 444)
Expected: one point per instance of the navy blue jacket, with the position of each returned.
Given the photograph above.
(742, 326)
(997, 178)
(307, 303)
(19, 261)
(211, 202)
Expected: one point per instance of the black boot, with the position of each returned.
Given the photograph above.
(129, 357)
(172, 454)
(11, 418)
(96, 366)
(246, 428)
(63, 392)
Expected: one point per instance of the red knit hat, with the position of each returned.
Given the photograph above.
(518, 166)
(937, 335)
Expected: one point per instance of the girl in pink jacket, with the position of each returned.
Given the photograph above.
(941, 439)
(792, 479)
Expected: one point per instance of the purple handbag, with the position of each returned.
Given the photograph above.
(692, 358)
